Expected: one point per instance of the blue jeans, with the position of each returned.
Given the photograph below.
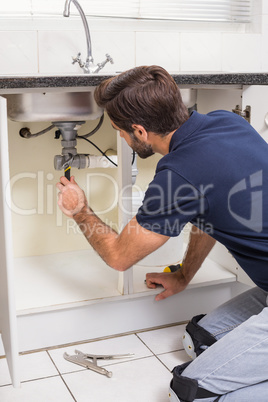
(236, 366)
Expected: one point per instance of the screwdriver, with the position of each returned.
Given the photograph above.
(172, 268)
(67, 172)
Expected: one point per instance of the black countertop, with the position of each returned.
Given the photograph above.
(83, 80)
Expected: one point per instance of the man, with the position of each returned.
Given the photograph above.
(214, 174)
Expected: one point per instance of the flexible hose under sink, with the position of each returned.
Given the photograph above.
(26, 133)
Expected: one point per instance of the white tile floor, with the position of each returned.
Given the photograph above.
(145, 377)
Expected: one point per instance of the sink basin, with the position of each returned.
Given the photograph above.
(189, 97)
(52, 106)
(64, 106)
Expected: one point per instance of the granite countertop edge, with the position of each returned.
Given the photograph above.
(67, 81)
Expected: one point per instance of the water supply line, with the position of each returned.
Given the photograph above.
(88, 67)
(26, 133)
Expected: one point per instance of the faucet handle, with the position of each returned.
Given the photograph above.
(78, 60)
(89, 67)
(109, 59)
(101, 65)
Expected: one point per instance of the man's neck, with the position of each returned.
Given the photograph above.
(161, 144)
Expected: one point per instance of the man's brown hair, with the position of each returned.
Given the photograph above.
(145, 95)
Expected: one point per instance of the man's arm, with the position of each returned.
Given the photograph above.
(119, 251)
(199, 246)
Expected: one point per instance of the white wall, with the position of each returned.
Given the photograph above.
(43, 44)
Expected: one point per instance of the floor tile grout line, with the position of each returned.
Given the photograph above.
(64, 382)
(170, 351)
(163, 364)
(162, 353)
(39, 378)
(127, 361)
(152, 352)
(5, 385)
(32, 379)
(61, 376)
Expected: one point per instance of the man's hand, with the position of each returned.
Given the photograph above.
(71, 198)
(172, 282)
(199, 246)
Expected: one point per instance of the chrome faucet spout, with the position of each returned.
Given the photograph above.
(66, 13)
(88, 67)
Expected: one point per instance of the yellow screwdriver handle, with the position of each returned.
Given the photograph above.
(172, 268)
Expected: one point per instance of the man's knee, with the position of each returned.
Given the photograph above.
(185, 389)
(196, 338)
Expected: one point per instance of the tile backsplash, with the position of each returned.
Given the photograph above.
(46, 45)
(201, 51)
(19, 52)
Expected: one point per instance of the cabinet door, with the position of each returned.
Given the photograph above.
(256, 96)
(8, 323)
(124, 152)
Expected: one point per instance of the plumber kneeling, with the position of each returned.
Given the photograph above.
(214, 174)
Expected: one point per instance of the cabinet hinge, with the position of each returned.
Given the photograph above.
(244, 113)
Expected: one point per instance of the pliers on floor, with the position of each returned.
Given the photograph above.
(90, 361)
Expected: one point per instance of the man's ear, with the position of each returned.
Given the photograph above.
(140, 132)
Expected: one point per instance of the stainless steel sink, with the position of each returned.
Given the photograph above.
(53, 106)
(189, 97)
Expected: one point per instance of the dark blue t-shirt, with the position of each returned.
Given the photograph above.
(216, 177)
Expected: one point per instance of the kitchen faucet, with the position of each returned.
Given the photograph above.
(88, 67)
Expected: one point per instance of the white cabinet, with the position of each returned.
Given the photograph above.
(73, 296)
(8, 323)
(125, 285)
(256, 97)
